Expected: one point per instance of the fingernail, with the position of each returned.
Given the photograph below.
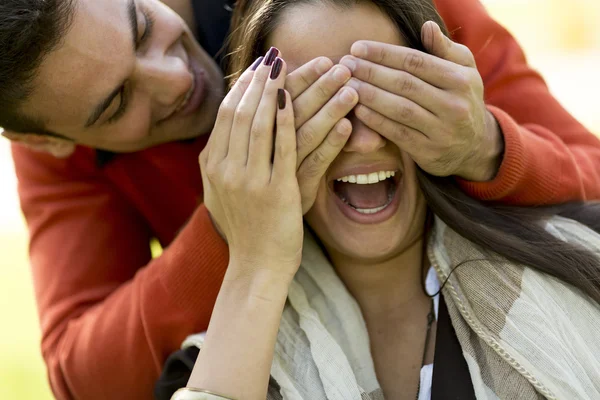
(323, 66)
(359, 50)
(340, 75)
(271, 54)
(343, 127)
(349, 62)
(256, 63)
(281, 99)
(347, 96)
(360, 111)
(276, 69)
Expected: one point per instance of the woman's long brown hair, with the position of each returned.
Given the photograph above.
(516, 233)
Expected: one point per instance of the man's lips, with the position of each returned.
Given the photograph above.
(195, 94)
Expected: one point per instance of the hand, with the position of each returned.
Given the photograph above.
(256, 201)
(429, 105)
(321, 103)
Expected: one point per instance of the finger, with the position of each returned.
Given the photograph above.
(246, 110)
(314, 167)
(314, 98)
(397, 82)
(406, 138)
(426, 67)
(284, 156)
(218, 143)
(439, 45)
(303, 77)
(312, 133)
(396, 108)
(263, 126)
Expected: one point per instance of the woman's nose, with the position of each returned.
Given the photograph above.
(363, 139)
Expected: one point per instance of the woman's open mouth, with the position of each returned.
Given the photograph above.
(368, 198)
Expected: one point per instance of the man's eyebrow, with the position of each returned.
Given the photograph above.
(101, 108)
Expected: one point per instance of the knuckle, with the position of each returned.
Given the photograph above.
(261, 78)
(211, 170)
(318, 158)
(403, 84)
(306, 136)
(300, 115)
(312, 168)
(305, 81)
(231, 180)
(462, 82)
(367, 93)
(332, 113)
(226, 110)
(460, 109)
(322, 92)
(370, 73)
(400, 133)
(256, 131)
(381, 54)
(468, 53)
(414, 62)
(242, 115)
(203, 157)
(405, 111)
(284, 150)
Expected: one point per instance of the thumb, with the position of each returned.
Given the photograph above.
(439, 45)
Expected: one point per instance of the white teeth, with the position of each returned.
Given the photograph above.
(366, 179)
(373, 177)
(371, 210)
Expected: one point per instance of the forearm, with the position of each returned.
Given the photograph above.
(549, 157)
(237, 353)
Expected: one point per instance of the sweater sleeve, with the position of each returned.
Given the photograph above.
(105, 307)
(549, 156)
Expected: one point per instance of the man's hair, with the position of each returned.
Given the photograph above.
(29, 31)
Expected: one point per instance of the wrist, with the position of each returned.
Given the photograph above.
(216, 226)
(260, 279)
(488, 162)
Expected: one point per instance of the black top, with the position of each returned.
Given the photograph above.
(212, 25)
(451, 377)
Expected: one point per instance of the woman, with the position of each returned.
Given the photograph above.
(524, 303)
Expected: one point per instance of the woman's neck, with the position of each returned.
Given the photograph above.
(393, 287)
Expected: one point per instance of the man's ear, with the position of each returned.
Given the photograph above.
(58, 147)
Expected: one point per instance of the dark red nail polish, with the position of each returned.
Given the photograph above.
(256, 63)
(276, 69)
(271, 54)
(281, 99)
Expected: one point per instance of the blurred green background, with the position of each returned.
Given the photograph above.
(562, 40)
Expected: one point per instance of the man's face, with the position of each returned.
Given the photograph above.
(129, 75)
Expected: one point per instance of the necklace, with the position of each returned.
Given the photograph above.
(430, 319)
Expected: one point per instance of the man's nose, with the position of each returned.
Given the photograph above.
(166, 80)
(363, 140)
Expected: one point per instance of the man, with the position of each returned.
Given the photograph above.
(127, 76)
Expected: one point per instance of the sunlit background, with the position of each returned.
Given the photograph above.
(561, 39)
